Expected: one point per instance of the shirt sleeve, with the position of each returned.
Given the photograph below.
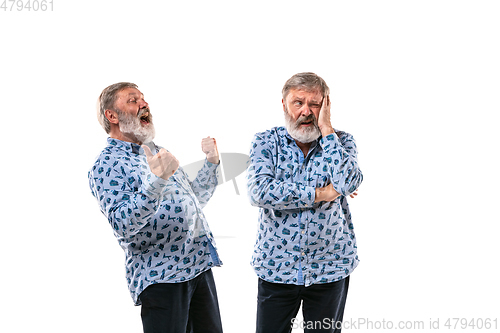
(343, 163)
(126, 207)
(205, 182)
(264, 190)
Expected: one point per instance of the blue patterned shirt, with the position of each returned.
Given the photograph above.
(300, 241)
(158, 223)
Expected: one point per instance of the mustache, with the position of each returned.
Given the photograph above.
(145, 114)
(306, 119)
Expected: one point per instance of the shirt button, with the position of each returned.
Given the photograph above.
(305, 205)
(303, 232)
(303, 254)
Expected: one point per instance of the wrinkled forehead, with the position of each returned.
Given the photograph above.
(313, 94)
(129, 92)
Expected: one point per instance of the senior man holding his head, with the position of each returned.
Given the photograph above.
(156, 215)
(300, 177)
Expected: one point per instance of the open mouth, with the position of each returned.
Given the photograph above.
(144, 117)
(305, 121)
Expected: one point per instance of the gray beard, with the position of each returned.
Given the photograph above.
(131, 126)
(303, 135)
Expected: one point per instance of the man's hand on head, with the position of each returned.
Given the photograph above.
(324, 122)
(209, 147)
(163, 164)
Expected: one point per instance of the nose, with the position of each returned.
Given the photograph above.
(305, 110)
(143, 104)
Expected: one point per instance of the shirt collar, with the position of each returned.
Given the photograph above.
(124, 145)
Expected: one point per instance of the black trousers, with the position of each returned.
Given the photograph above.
(322, 306)
(186, 307)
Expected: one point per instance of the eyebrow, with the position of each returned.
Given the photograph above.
(135, 94)
(302, 100)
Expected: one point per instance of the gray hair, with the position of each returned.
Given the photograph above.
(305, 81)
(107, 101)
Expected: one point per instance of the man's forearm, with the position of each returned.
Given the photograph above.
(345, 172)
(267, 192)
(205, 182)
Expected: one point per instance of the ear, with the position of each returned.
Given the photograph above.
(112, 116)
(283, 102)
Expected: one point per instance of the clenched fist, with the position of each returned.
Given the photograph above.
(209, 147)
(163, 164)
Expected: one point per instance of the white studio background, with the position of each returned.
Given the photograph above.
(416, 83)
